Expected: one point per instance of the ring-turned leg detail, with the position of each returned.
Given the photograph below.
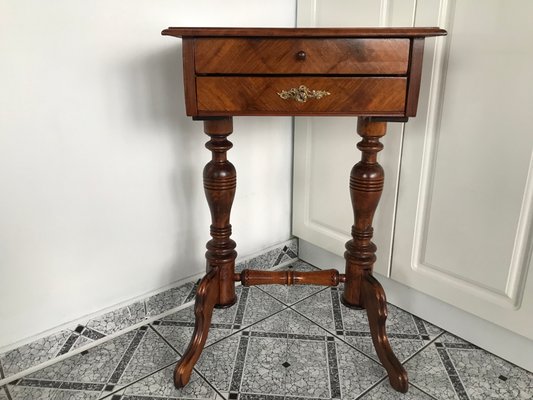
(375, 303)
(220, 182)
(206, 297)
(366, 185)
(217, 288)
(361, 289)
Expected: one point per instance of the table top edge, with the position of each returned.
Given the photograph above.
(399, 32)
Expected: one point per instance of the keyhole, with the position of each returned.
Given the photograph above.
(301, 55)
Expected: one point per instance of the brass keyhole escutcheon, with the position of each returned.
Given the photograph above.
(302, 93)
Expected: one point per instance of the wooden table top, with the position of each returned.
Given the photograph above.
(305, 32)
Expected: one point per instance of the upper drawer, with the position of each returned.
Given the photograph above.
(301, 56)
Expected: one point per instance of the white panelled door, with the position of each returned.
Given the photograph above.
(464, 215)
(455, 220)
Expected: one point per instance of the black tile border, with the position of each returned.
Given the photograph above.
(333, 370)
(92, 334)
(238, 369)
(337, 314)
(420, 326)
(439, 342)
(255, 396)
(284, 248)
(127, 356)
(6, 391)
(241, 307)
(192, 294)
(40, 383)
(68, 344)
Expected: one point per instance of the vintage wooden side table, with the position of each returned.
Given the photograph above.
(371, 73)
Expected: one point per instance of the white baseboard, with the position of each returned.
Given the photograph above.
(493, 338)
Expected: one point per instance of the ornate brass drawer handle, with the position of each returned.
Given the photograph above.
(302, 93)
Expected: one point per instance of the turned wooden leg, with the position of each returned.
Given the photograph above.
(220, 181)
(361, 289)
(217, 289)
(206, 297)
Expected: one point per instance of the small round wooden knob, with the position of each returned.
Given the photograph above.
(301, 55)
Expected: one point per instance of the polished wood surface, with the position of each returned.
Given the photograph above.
(207, 295)
(238, 71)
(371, 73)
(375, 302)
(304, 32)
(366, 185)
(302, 56)
(251, 95)
(220, 181)
(329, 277)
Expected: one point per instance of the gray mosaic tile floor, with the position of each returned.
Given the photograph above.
(276, 343)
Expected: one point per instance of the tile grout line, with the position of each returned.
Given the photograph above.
(422, 348)
(350, 345)
(166, 366)
(267, 250)
(458, 385)
(147, 322)
(285, 307)
(4, 388)
(442, 362)
(247, 326)
(61, 357)
(236, 376)
(127, 356)
(337, 336)
(135, 381)
(161, 369)
(371, 387)
(218, 341)
(192, 293)
(209, 383)
(8, 394)
(286, 357)
(104, 385)
(95, 343)
(293, 304)
(165, 340)
(423, 391)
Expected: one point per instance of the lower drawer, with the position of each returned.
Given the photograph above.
(225, 95)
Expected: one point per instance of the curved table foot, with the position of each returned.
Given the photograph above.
(376, 308)
(206, 297)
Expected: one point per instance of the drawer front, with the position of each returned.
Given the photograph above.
(226, 95)
(301, 56)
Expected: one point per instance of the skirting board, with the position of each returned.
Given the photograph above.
(493, 338)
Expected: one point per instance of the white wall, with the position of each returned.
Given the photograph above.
(101, 197)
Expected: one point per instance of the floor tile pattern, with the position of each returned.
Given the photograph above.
(450, 368)
(34, 353)
(60, 343)
(271, 258)
(276, 344)
(252, 305)
(100, 370)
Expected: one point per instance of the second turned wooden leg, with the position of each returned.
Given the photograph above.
(217, 288)
(361, 289)
(366, 185)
